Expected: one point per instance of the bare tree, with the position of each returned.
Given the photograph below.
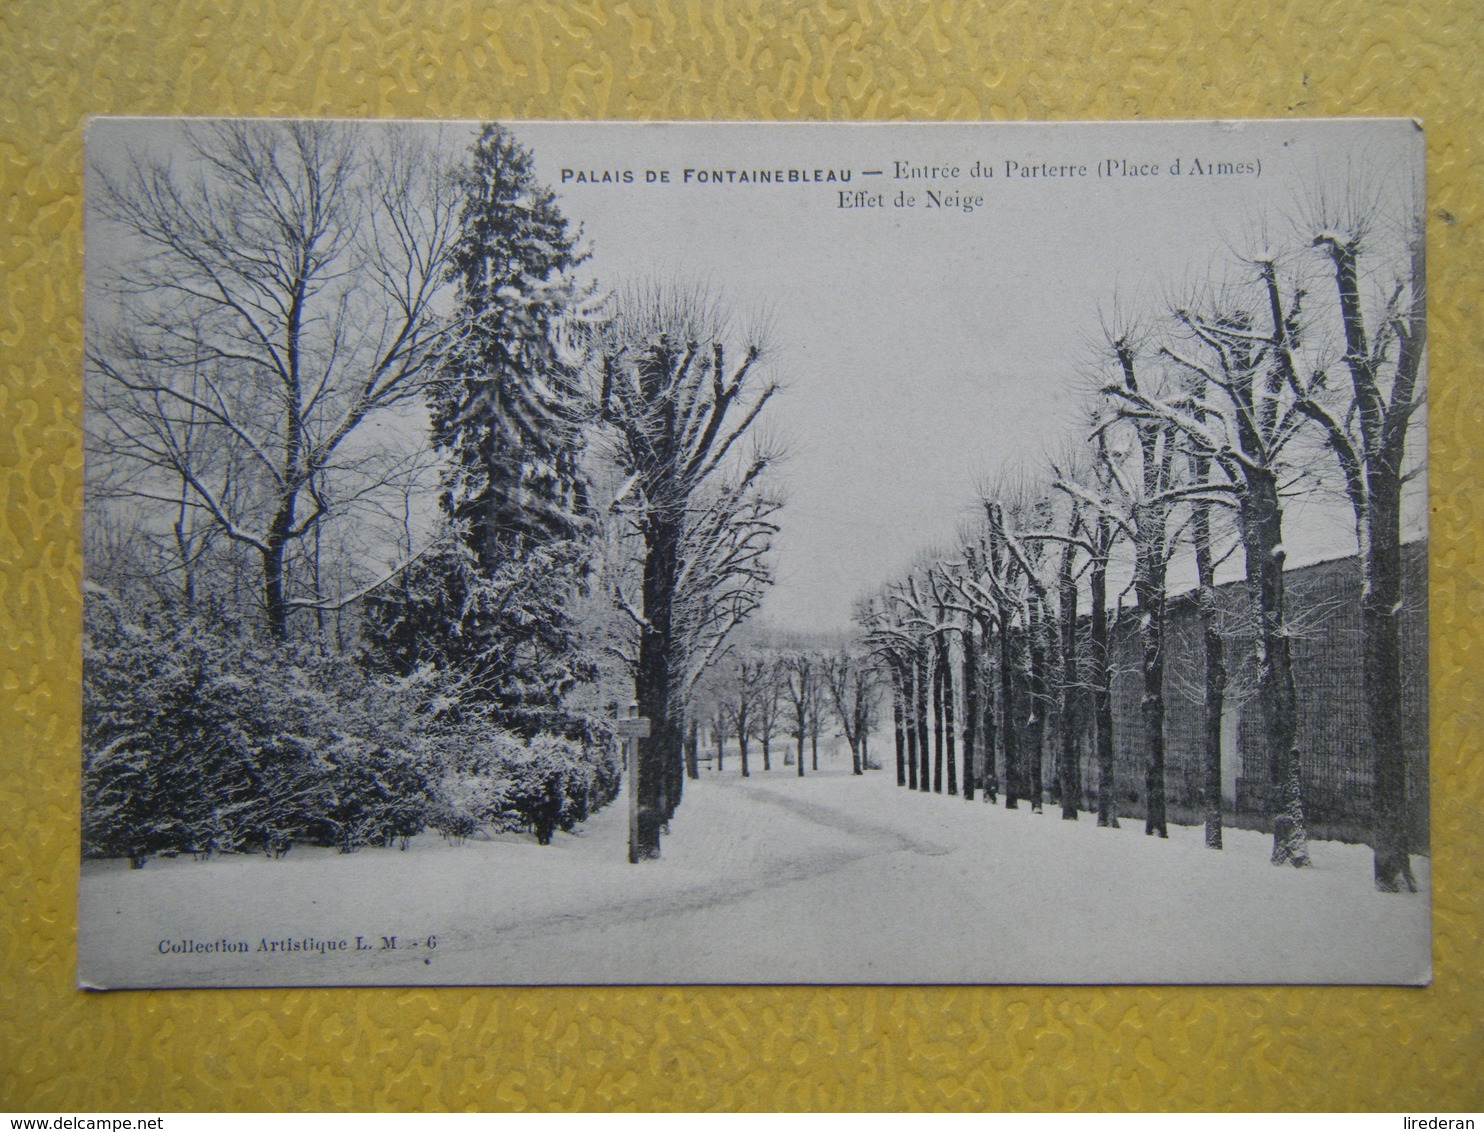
(675, 409)
(1377, 273)
(1019, 522)
(1213, 649)
(1237, 406)
(800, 682)
(1149, 500)
(769, 706)
(752, 687)
(1093, 482)
(723, 572)
(263, 305)
(852, 685)
(988, 586)
(916, 614)
(891, 646)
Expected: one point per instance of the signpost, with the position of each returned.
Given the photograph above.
(631, 730)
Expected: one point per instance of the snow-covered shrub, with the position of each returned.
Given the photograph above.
(180, 751)
(540, 793)
(199, 738)
(500, 782)
(376, 796)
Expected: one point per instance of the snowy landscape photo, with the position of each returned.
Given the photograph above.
(676, 553)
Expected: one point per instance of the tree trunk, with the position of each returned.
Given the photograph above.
(693, 750)
(1007, 714)
(1102, 696)
(989, 727)
(273, 597)
(1215, 663)
(1381, 604)
(1069, 769)
(901, 729)
(923, 773)
(937, 686)
(1262, 540)
(721, 738)
(799, 762)
(1149, 591)
(652, 681)
(675, 773)
(909, 690)
(1040, 701)
(971, 711)
(945, 687)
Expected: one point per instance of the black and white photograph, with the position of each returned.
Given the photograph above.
(591, 553)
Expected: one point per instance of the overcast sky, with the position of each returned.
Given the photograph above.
(923, 348)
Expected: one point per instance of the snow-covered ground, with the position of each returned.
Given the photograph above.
(772, 879)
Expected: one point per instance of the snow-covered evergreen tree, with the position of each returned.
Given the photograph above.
(508, 411)
(491, 606)
(504, 636)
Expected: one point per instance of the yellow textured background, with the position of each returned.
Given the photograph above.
(1337, 1048)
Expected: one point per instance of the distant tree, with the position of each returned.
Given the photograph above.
(769, 708)
(852, 684)
(750, 684)
(800, 682)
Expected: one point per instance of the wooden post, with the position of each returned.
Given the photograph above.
(632, 731)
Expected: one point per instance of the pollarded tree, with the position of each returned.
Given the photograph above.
(988, 586)
(1148, 491)
(273, 287)
(674, 407)
(914, 631)
(891, 647)
(1063, 529)
(1237, 406)
(1019, 521)
(978, 713)
(1377, 277)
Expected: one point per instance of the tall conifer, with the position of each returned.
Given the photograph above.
(507, 411)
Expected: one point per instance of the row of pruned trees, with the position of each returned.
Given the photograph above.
(1300, 370)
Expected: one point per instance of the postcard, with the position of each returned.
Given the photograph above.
(553, 553)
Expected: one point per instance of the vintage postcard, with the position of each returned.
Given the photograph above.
(674, 553)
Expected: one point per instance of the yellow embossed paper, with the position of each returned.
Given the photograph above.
(705, 1048)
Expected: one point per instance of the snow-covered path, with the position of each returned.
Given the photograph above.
(771, 879)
